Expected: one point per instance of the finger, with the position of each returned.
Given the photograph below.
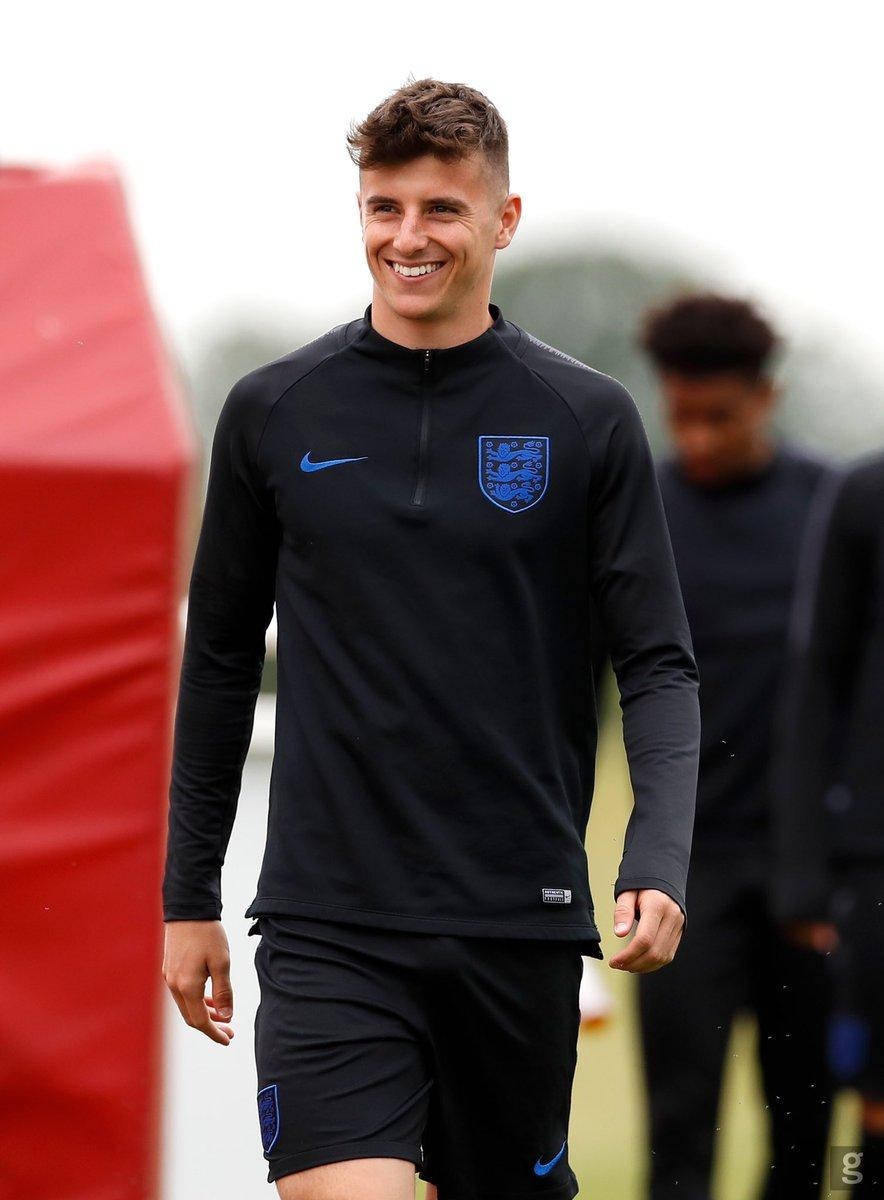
(214, 1030)
(653, 960)
(660, 953)
(662, 949)
(677, 932)
(642, 940)
(213, 1013)
(193, 1008)
(222, 991)
(672, 927)
(624, 913)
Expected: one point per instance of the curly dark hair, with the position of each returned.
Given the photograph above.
(427, 116)
(704, 333)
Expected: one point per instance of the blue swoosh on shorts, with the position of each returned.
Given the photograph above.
(541, 1168)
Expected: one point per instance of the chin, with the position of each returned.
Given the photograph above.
(413, 306)
(703, 474)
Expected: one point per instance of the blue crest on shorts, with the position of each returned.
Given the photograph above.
(513, 471)
(268, 1116)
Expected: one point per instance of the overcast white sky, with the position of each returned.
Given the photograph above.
(749, 134)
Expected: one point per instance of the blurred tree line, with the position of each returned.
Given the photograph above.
(590, 304)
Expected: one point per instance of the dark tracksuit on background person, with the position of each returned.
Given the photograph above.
(830, 780)
(737, 548)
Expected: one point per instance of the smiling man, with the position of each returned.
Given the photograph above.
(433, 498)
(433, 273)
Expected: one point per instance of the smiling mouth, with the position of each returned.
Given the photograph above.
(414, 270)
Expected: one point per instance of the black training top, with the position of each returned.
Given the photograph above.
(431, 524)
(737, 546)
(830, 775)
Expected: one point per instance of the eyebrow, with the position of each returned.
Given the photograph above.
(451, 201)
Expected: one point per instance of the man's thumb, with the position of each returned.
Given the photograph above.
(222, 997)
(624, 913)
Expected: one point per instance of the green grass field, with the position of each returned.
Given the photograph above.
(607, 1139)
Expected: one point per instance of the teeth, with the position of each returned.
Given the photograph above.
(423, 269)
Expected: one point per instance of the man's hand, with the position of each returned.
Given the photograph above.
(195, 950)
(660, 922)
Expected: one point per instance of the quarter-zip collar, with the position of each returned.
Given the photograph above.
(444, 358)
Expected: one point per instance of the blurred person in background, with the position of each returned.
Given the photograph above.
(830, 784)
(737, 500)
(431, 496)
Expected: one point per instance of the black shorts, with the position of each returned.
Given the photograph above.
(454, 1053)
(856, 1032)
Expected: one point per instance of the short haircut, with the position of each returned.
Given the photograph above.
(704, 333)
(427, 116)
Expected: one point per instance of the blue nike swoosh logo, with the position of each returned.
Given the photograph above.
(307, 465)
(541, 1168)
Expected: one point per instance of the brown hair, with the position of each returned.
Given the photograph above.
(704, 333)
(427, 116)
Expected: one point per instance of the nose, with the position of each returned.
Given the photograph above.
(410, 238)
(697, 442)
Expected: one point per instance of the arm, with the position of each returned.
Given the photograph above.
(824, 643)
(230, 604)
(635, 586)
(600, 659)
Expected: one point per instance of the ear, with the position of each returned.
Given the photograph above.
(510, 216)
(768, 392)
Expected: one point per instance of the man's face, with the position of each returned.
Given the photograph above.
(447, 216)
(716, 423)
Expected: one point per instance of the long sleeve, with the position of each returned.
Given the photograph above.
(825, 637)
(230, 603)
(635, 586)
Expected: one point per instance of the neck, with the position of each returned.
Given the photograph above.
(437, 331)
(761, 454)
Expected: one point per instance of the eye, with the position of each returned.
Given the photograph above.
(380, 207)
(444, 207)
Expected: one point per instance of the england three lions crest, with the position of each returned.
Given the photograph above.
(513, 471)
